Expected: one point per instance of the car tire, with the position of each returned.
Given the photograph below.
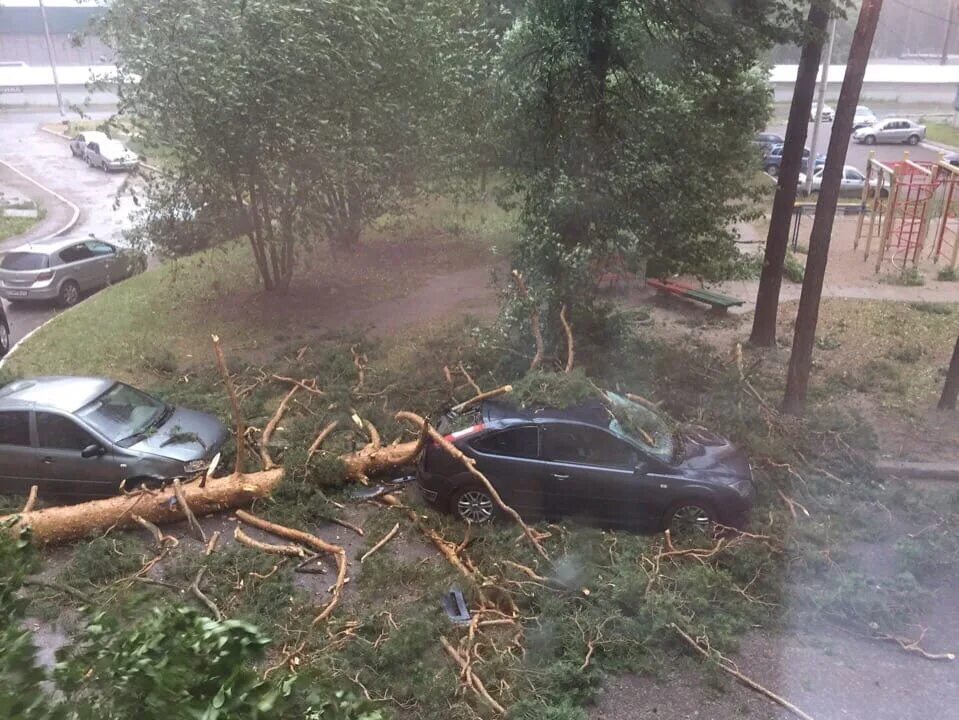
(4, 339)
(913, 140)
(772, 170)
(473, 504)
(148, 483)
(691, 517)
(870, 139)
(69, 293)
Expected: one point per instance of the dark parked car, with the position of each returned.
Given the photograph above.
(81, 437)
(581, 463)
(766, 141)
(774, 158)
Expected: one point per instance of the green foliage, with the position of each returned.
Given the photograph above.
(909, 277)
(103, 560)
(948, 275)
(933, 308)
(539, 388)
(287, 123)
(603, 105)
(793, 268)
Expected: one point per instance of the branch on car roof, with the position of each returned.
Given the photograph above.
(470, 466)
(489, 394)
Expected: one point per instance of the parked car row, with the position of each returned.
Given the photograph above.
(774, 157)
(103, 152)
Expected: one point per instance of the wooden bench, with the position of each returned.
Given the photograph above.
(719, 302)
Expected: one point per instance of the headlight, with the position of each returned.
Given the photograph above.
(195, 466)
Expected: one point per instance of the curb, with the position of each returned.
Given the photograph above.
(76, 210)
(941, 147)
(908, 470)
(151, 168)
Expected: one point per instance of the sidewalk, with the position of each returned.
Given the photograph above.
(58, 213)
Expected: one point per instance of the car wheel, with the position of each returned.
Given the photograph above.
(4, 339)
(870, 139)
(772, 170)
(913, 139)
(147, 483)
(690, 518)
(474, 505)
(69, 293)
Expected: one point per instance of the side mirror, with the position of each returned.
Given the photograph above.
(93, 451)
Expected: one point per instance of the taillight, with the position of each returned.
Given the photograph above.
(44, 276)
(452, 437)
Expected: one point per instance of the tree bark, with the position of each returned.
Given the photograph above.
(770, 281)
(72, 522)
(800, 361)
(950, 390)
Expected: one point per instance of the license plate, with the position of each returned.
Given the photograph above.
(17, 293)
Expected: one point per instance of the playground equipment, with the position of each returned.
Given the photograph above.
(901, 201)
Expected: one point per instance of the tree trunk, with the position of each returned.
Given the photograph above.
(767, 298)
(72, 522)
(800, 361)
(950, 390)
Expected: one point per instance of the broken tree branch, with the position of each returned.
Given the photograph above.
(470, 466)
(324, 434)
(59, 587)
(288, 550)
(310, 541)
(481, 397)
(234, 403)
(476, 388)
(568, 329)
(270, 428)
(198, 593)
(31, 499)
(749, 682)
(371, 460)
(533, 320)
(308, 385)
(211, 545)
(360, 362)
(385, 539)
(471, 679)
(185, 509)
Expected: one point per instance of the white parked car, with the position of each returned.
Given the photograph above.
(891, 130)
(78, 145)
(110, 155)
(864, 117)
(828, 114)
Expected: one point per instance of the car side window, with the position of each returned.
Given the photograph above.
(515, 442)
(75, 253)
(93, 146)
(99, 249)
(56, 431)
(587, 446)
(15, 428)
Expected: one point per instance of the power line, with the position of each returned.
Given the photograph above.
(928, 14)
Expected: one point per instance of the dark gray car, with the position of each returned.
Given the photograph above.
(81, 437)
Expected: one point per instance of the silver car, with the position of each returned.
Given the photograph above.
(78, 145)
(64, 268)
(891, 130)
(81, 437)
(110, 155)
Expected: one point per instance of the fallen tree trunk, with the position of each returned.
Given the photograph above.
(72, 522)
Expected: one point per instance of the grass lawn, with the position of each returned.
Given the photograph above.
(943, 133)
(13, 226)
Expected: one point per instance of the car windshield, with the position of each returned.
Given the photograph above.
(123, 413)
(644, 425)
(25, 261)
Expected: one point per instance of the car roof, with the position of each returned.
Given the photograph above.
(48, 246)
(591, 412)
(65, 393)
(92, 134)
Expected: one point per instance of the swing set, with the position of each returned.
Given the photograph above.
(901, 202)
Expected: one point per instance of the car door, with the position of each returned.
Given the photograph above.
(590, 475)
(510, 460)
(91, 152)
(18, 468)
(884, 132)
(104, 265)
(77, 265)
(60, 444)
(853, 181)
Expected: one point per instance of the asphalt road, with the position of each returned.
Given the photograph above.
(47, 159)
(858, 154)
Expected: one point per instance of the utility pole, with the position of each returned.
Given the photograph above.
(807, 318)
(945, 43)
(811, 170)
(53, 60)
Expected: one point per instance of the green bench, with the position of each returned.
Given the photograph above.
(717, 301)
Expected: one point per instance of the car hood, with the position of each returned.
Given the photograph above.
(186, 435)
(118, 155)
(711, 457)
